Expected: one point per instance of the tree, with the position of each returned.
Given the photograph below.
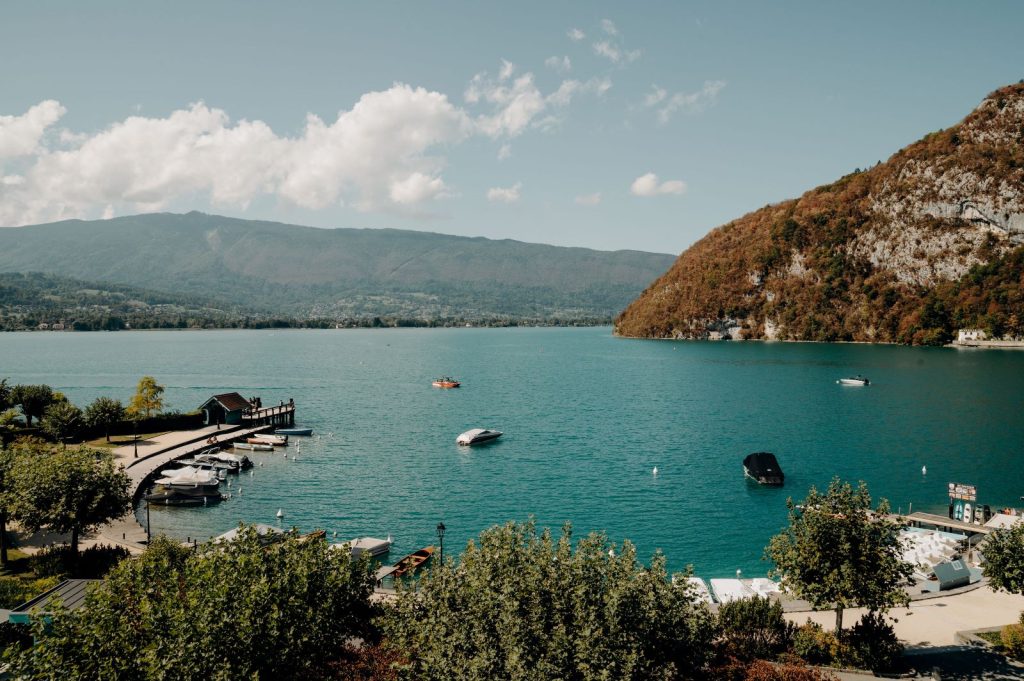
(836, 554)
(33, 400)
(754, 628)
(6, 499)
(61, 421)
(235, 610)
(6, 395)
(521, 605)
(68, 490)
(104, 412)
(1004, 559)
(148, 398)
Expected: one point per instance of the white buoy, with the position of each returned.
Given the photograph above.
(924, 470)
(655, 471)
(280, 513)
(239, 491)
(335, 533)
(252, 473)
(261, 464)
(738, 573)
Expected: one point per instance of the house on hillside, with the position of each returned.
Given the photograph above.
(227, 408)
(970, 335)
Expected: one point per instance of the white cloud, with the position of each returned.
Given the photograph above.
(21, 135)
(507, 69)
(560, 64)
(609, 27)
(589, 199)
(505, 194)
(614, 52)
(575, 34)
(650, 185)
(416, 188)
(686, 102)
(504, 152)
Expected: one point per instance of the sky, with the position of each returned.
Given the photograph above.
(599, 124)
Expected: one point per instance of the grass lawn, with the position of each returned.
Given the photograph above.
(120, 440)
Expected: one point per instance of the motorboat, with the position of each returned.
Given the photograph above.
(477, 436)
(699, 589)
(214, 465)
(190, 480)
(445, 382)
(267, 439)
(165, 497)
(236, 462)
(372, 546)
(763, 468)
(304, 432)
(412, 562)
(254, 447)
(854, 380)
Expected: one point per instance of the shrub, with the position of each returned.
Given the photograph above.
(1013, 640)
(92, 563)
(815, 645)
(754, 628)
(761, 670)
(872, 644)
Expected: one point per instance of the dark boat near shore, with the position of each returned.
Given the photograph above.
(412, 562)
(763, 468)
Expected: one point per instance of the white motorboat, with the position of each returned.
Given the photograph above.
(700, 589)
(477, 436)
(234, 461)
(268, 438)
(854, 380)
(370, 545)
(190, 480)
(253, 447)
(727, 590)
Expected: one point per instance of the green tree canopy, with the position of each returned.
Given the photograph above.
(837, 554)
(33, 400)
(104, 412)
(237, 610)
(6, 395)
(147, 400)
(61, 421)
(6, 497)
(67, 490)
(522, 605)
(1004, 559)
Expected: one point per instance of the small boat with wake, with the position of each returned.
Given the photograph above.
(412, 562)
(477, 436)
(854, 380)
(445, 382)
(763, 468)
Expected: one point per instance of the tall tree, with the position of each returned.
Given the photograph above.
(148, 398)
(6, 395)
(1004, 559)
(62, 421)
(522, 605)
(237, 610)
(103, 412)
(7, 455)
(33, 400)
(837, 554)
(71, 490)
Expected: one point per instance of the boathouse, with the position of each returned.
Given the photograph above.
(227, 408)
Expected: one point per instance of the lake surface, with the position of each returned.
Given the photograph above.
(586, 418)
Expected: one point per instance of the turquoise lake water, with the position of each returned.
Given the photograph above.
(586, 418)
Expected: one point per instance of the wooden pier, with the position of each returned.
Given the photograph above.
(279, 415)
(918, 519)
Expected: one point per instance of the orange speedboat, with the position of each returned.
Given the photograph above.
(445, 382)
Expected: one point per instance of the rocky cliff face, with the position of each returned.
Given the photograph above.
(906, 251)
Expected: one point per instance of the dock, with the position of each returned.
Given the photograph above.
(918, 519)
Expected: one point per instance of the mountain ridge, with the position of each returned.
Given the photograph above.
(907, 251)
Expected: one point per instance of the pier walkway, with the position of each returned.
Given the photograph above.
(153, 454)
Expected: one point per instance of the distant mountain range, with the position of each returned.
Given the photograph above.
(908, 251)
(271, 268)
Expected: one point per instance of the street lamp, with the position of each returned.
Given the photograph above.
(149, 535)
(135, 437)
(440, 538)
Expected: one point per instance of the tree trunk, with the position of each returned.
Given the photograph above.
(108, 433)
(3, 538)
(74, 543)
(839, 621)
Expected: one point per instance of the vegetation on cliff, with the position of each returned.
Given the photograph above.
(908, 251)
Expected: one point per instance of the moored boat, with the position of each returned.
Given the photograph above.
(854, 380)
(371, 545)
(446, 382)
(477, 436)
(175, 498)
(762, 467)
(189, 480)
(412, 562)
(304, 432)
(254, 447)
(266, 440)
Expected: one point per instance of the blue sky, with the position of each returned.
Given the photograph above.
(607, 125)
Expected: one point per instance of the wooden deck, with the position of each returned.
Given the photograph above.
(942, 522)
(282, 414)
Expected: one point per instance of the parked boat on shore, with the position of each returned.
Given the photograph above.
(412, 562)
(477, 436)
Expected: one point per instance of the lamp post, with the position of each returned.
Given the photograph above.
(440, 538)
(149, 534)
(135, 437)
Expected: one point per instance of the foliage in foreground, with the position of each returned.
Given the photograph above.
(754, 628)
(223, 611)
(1004, 559)
(522, 605)
(834, 554)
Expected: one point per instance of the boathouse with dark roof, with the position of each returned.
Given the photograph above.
(227, 408)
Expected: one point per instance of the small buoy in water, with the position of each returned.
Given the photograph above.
(280, 513)
(738, 573)
(252, 473)
(335, 533)
(924, 470)
(655, 471)
(261, 464)
(239, 491)
(229, 483)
